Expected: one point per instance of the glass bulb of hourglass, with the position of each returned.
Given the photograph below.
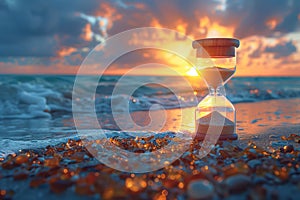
(215, 114)
(217, 71)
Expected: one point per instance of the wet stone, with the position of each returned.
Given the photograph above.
(52, 162)
(59, 186)
(83, 189)
(9, 164)
(223, 173)
(295, 178)
(21, 175)
(237, 183)
(200, 189)
(274, 136)
(287, 149)
(258, 180)
(254, 163)
(37, 182)
(278, 143)
(257, 193)
(20, 159)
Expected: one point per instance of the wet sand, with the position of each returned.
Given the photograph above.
(255, 120)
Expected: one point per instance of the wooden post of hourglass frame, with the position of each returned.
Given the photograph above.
(216, 62)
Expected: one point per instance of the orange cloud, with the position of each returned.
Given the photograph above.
(87, 33)
(66, 51)
(214, 29)
(257, 57)
(108, 11)
(155, 23)
(272, 23)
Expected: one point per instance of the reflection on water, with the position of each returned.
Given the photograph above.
(266, 116)
(252, 118)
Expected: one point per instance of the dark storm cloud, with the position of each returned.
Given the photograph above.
(169, 14)
(251, 17)
(291, 21)
(282, 49)
(41, 27)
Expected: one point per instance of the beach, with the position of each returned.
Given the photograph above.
(262, 164)
(150, 100)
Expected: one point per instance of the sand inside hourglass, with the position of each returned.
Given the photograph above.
(215, 121)
(216, 76)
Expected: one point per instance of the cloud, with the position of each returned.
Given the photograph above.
(266, 18)
(176, 15)
(262, 18)
(61, 32)
(282, 49)
(42, 28)
(258, 51)
(45, 28)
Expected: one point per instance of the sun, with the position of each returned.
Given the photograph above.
(192, 72)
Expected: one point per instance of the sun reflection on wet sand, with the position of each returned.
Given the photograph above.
(252, 118)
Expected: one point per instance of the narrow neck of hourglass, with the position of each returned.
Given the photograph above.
(216, 72)
(219, 91)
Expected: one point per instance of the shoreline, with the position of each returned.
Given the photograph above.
(260, 121)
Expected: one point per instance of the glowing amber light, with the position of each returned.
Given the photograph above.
(3, 192)
(181, 185)
(135, 184)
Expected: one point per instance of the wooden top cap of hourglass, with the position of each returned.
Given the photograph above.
(216, 47)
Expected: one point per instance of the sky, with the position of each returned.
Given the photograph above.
(54, 37)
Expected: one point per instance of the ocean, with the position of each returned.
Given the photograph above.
(36, 110)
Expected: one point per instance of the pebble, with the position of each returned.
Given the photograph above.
(295, 178)
(272, 178)
(274, 136)
(255, 137)
(21, 175)
(20, 159)
(262, 125)
(185, 178)
(259, 180)
(278, 143)
(200, 189)
(254, 121)
(252, 151)
(237, 183)
(59, 186)
(287, 149)
(254, 163)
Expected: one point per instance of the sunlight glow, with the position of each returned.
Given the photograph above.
(216, 30)
(192, 72)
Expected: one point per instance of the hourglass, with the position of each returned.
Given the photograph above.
(215, 114)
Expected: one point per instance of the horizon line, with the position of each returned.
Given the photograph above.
(68, 74)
